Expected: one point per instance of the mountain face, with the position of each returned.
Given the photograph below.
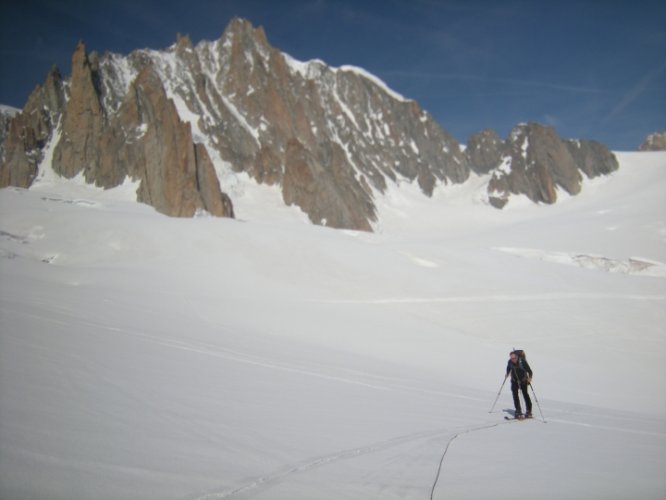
(654, 142)
(139, 135)
(534, 161)
(6, 115)
(30, 130)
(332, 138)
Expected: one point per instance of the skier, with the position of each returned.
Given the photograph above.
(521, 377)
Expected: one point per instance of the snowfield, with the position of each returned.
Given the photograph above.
(146, 357)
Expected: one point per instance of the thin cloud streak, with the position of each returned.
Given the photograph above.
(506, 81)
(635, 92)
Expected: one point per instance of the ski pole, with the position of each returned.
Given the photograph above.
(537, 402)
(498, 394)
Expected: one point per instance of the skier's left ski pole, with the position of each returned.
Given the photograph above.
(537, 402)
(498, 394)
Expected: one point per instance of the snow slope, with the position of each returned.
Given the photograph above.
(149, 357)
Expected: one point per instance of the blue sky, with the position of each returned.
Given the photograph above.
(592, 69)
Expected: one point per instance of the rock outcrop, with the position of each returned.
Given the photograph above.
(535, 161)
(484, 151)
(332, 139)
(83, 120)
(654, 142)
(30, 130)
(141, 136)
(147, 140)
(592, 157)
(6, 115)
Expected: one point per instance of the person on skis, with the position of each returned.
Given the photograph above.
(521, 377)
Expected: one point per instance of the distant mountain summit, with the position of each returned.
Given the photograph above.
(654, 142)
(535, 161)
(333, 139)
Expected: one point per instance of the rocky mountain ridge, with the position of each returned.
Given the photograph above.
(181, 120)
(6, 115)
(654, 142)
(535, 161)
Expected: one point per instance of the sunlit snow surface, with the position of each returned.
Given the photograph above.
(146, 357)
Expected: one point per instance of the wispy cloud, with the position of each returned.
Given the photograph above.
(516, 82)
(635, 92)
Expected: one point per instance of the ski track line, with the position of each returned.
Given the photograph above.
(238, 357)
(343, 455)
(245, 359)
(448, 444)
(536, 297)
(322, 461)
(200, 348)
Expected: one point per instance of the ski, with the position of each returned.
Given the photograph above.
(514, 418)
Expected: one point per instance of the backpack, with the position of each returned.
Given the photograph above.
(522, 358)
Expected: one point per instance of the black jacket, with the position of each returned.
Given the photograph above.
(519, 372)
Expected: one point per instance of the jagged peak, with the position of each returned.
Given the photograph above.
(80, 56)
(183, 41)
(243, 31)
(246, 100)
(81, 59)
(55, 72)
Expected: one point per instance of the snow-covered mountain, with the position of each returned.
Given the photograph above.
(150, 357)
(185, 121)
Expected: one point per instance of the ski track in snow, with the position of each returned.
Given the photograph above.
(315, 463)
(453, 438)
(579, 430)
(208, 350)
(244, 358)
(324, 460)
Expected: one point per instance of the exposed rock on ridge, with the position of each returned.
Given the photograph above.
(148, 141)
(535, 161)
(333, 139)
(83, 119)
(654, 142)
(484, 151)
(142, 137)
(30, 130)
(6, 115)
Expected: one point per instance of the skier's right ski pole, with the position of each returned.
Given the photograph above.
(498, 394)
(537, 402)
